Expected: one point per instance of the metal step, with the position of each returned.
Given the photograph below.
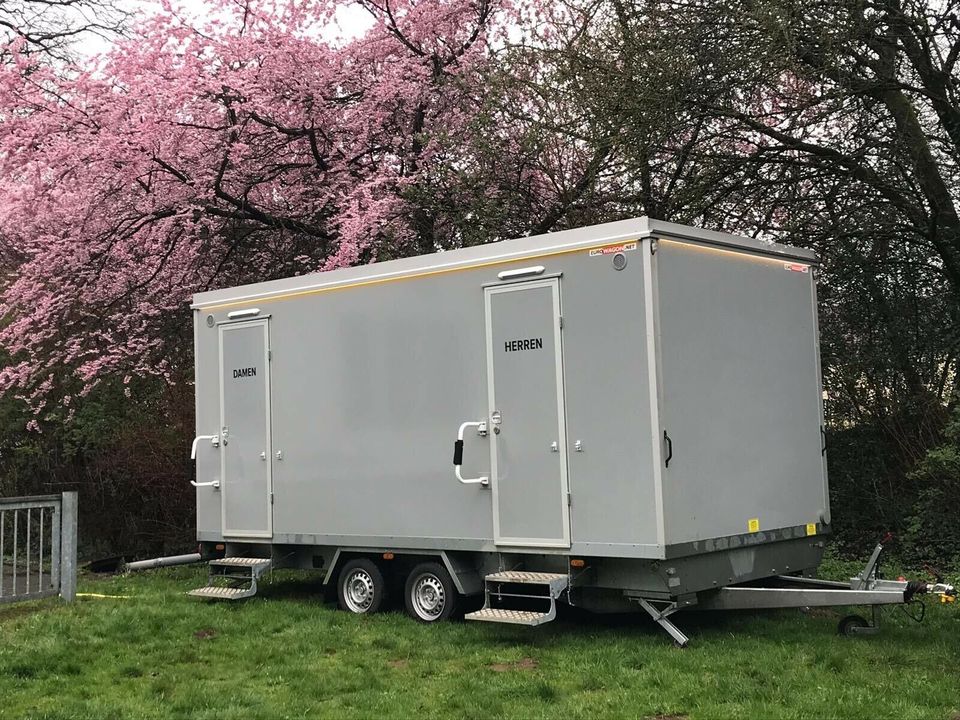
(212, 592)
(513, 617)
(555, 583)
(258, 565)
(232, 578)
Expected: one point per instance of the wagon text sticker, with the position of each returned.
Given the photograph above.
(611, 249)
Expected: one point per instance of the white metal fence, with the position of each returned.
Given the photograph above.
(38, 547)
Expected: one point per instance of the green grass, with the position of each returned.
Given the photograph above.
(285, 654)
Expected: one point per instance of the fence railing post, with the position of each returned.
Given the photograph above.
(68, 547)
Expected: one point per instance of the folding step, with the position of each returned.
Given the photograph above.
(212, 592)
(551, 586)
(512, 617)
(258, 565)
(556, 581)
(232, 578)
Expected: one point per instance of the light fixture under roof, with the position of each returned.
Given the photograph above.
(521, 272)
(248, 312)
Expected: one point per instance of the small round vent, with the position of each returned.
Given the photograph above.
(619, 261)
(210, 321)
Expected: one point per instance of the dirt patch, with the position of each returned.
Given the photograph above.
(14, 611)
(205, 634)
(668, 717)
(398, 664)
(527, 663)
(820, 612)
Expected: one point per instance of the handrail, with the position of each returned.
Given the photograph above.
(458, 454)
(214, 440)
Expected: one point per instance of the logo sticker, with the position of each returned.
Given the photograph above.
(796, 267)
(611, 249)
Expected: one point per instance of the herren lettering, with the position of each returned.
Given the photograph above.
(519, 345)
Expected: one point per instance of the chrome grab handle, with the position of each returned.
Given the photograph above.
(458, 454)
(214, 440)
(212, 483)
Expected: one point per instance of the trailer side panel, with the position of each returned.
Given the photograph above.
(740, 394)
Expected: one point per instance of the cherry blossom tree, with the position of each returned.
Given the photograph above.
(50, 28)
(245, 149)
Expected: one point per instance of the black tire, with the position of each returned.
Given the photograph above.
(848, 626)
(361, 588)
(429, 594)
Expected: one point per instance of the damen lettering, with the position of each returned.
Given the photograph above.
(244, 372)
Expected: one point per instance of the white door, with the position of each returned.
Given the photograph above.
(245, 455)
(525, 375)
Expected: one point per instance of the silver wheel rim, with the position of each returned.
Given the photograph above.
(427, 597)
(358, 591)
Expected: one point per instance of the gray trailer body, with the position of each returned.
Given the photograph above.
(650, 393)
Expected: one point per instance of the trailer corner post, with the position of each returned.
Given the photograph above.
(68, 547)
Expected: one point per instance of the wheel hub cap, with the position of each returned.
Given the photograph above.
(428, 597)
(358, 591)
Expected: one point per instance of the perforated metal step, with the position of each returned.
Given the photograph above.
(512, 617)
(242, 562)
(557, 582)
(233, 578)
(223, 593)
(498, 590)
(521, 576)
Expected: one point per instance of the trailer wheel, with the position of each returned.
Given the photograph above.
(361, 588)
(430, 595)
(849, 625)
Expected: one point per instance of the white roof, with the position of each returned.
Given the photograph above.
(608, 233)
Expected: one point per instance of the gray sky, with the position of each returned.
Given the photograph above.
(351, 19)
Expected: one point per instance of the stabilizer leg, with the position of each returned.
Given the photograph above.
(661, 618)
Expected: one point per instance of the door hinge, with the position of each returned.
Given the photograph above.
(569, 499)
(271, 497)
(269, 355)
(560, 320)
(654, 244)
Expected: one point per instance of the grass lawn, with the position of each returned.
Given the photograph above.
(285, 654)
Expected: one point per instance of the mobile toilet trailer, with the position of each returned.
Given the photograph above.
(635, 408)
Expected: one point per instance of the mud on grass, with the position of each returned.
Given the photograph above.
(159, 654)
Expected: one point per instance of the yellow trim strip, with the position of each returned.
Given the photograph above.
(746, 253)
(428, 273)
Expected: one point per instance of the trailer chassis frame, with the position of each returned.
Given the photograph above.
(867, 588)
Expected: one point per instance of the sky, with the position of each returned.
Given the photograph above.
(352, 20)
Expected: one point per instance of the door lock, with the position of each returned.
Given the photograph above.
(554, 447)
(263, 456)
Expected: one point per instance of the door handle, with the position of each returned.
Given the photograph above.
(214, 440)
(215, 484)
(669, 442)
(458, 454)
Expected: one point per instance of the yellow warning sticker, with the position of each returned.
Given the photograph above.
(753, 525)
(811, 528)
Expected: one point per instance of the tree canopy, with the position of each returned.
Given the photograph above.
(257, 145)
